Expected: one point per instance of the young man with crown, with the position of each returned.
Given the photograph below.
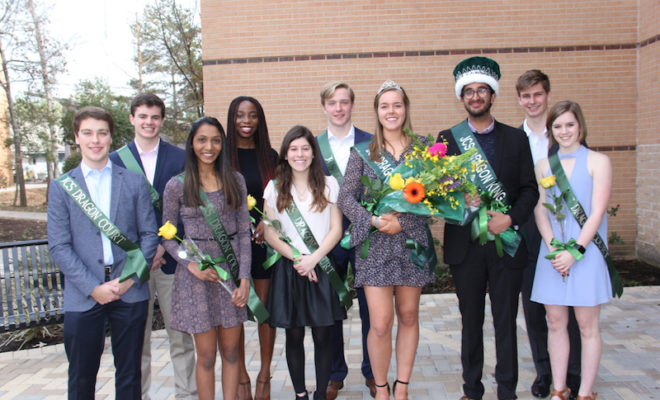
(508, 192)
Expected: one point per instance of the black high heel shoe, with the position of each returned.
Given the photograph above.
(387, 385)
(401, 382)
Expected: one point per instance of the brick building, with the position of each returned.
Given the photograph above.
(603, 54)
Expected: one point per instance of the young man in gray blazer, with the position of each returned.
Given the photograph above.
(101, 222)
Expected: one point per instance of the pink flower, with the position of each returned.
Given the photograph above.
(439, 149)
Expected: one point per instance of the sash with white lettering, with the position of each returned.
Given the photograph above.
(326, 265)
(255, 307)
(135, 264)
(419, 255)
(329, 157)
(131, 164)
(581, 217)
(487, 183)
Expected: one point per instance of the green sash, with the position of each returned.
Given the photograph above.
(419, 255)
(310, 241)
(135, 264)
(329, 157)
(581, 217)
(255, 307)
(132, 165)
(497, 200)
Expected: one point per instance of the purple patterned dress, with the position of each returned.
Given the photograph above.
(198, 306)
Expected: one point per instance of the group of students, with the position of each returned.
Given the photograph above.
(313, 187)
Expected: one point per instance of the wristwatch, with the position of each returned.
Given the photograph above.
(580, 248)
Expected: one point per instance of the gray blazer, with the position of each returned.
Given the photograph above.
(74, 241)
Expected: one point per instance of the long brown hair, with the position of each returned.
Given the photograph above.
(378, 141)
(316, 177)
(191, 183)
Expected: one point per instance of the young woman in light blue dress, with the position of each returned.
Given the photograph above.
(563, 281)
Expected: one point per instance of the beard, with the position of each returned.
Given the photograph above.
(481, 112)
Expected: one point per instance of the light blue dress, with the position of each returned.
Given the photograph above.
(589, 280)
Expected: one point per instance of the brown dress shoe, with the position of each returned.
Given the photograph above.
(371, 384)
(333, 389)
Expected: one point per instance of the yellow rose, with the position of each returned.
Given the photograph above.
(396, 182)
(168, 231)
(548, 181)
(251, 202)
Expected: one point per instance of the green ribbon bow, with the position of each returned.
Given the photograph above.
(505, 242)
(208, 262)
(568, 246)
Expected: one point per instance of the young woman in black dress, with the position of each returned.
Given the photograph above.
(301, 292)
(248, 146)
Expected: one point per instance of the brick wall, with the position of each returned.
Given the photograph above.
(283, 53)
(648, 142)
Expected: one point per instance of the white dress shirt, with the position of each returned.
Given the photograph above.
(149, 159)
(341, 148)
(99, 184)
(538, 144)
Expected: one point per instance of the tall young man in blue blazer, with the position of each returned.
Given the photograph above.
(337, 100)
(83, 206)
(509, 177)
(159, 161)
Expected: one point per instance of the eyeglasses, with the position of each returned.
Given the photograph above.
(482, 91)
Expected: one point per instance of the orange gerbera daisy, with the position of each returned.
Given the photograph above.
(414, 192)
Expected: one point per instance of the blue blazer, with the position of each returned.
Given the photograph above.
(169, 162)
(341, 255)
(74, 242)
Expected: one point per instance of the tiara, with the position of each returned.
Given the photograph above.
(388, 85)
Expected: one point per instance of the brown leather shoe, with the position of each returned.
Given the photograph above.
(371, 384)
(333, 389)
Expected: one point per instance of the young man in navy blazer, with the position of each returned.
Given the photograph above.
(337, 100)
(159, 161)
(92, 263)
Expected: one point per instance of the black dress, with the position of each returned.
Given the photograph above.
(294, 301)
(247, 159)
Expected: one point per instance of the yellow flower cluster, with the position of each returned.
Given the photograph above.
(548, 182)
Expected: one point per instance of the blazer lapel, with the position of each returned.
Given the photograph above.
(162, 155)
(115, 193)
(499, 150)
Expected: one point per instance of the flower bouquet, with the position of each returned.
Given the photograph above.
(429, 183)
(188, 250)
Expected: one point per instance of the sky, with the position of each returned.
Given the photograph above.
(99, 39)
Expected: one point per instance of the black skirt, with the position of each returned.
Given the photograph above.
(294, 301)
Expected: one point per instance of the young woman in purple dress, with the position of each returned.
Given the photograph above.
(201, 305)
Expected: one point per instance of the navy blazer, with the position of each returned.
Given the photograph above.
(74, 242)
(340, 254)
(169, 162)
(515, 170)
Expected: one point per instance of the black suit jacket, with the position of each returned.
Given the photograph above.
(515, 170)
(169, 162)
